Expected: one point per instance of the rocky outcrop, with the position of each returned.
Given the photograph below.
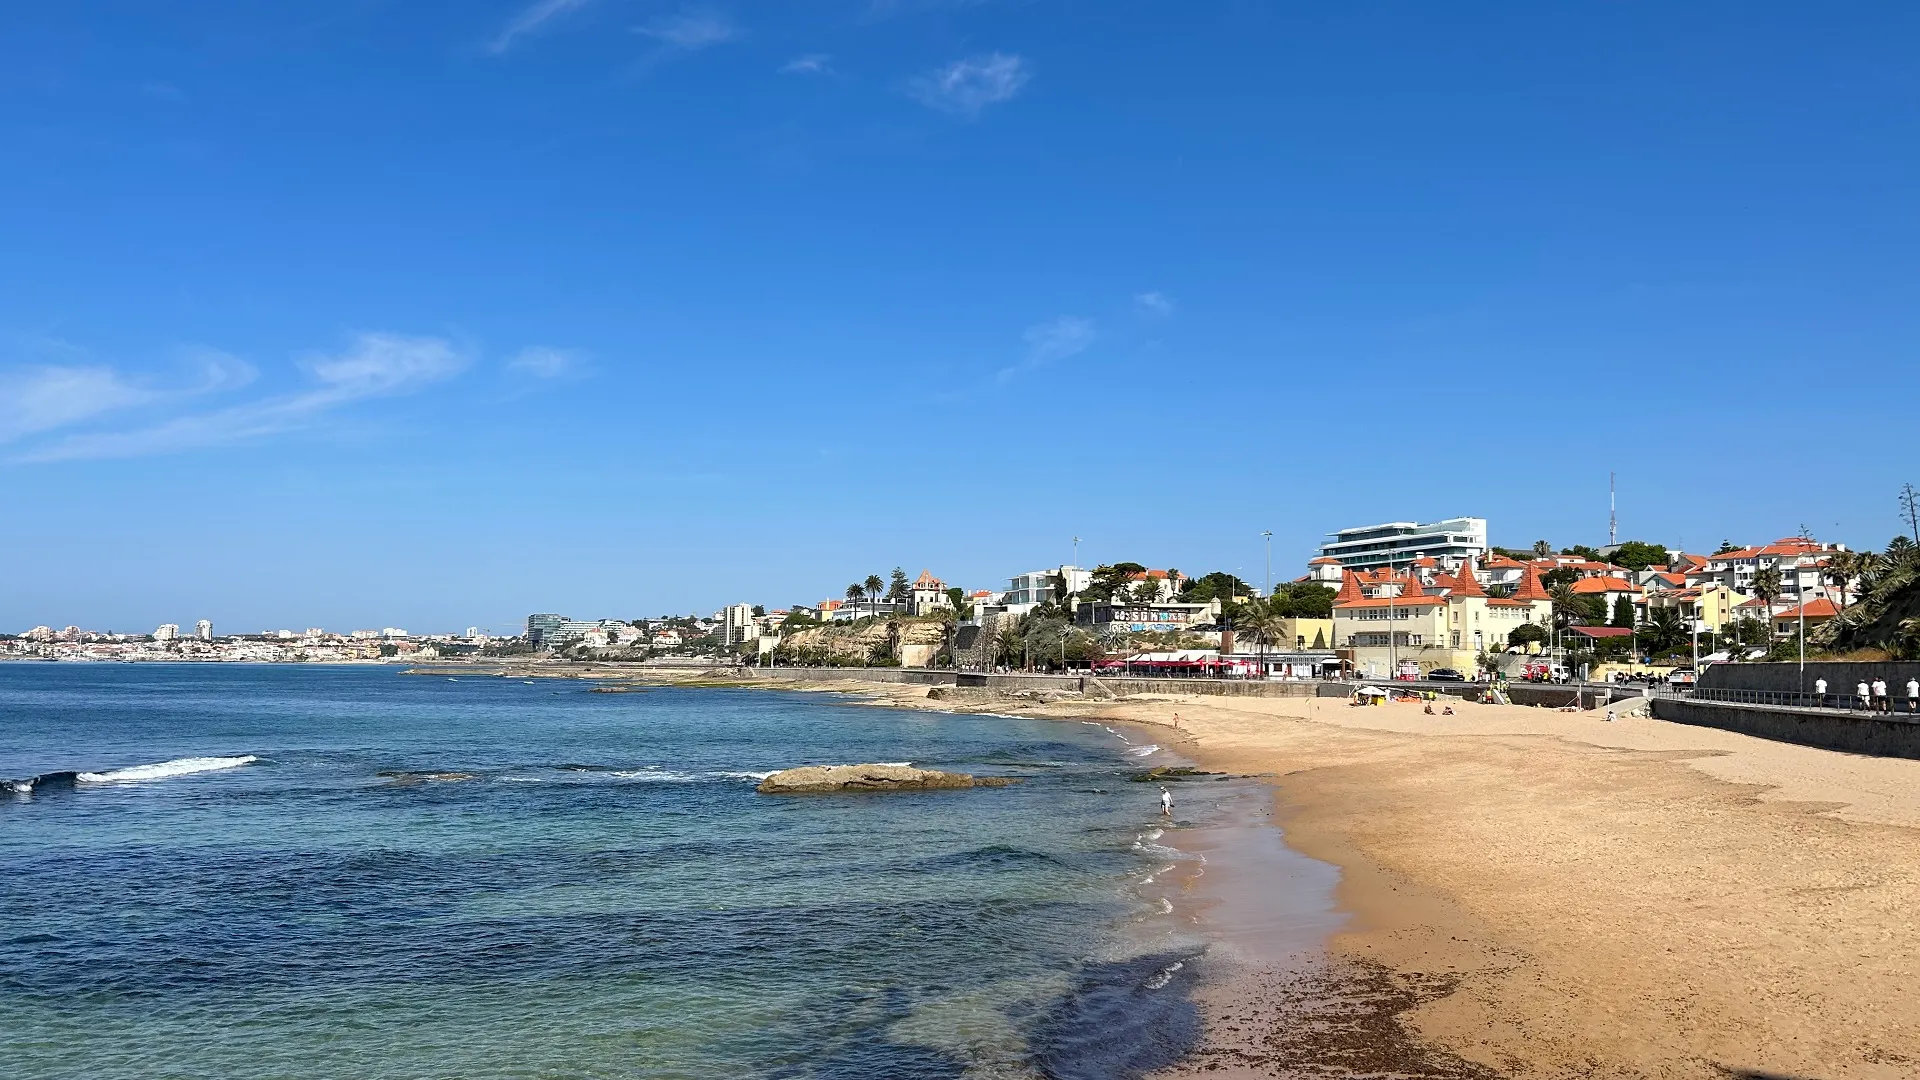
(825, 779)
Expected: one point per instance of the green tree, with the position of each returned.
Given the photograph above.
(1110, 579)
(1726, 546)
(1635, 555)
(1304, 600)
(1558, 576)
(1526, 634)
(1767, 587)
(898, 590)
(1622, 612)
(759, 611)
(1215, 586)
(1665, 631)
(1583, 551)
(962, 607)
(1258, 622)
(1542, 549)
(855, 592)
(873, 586)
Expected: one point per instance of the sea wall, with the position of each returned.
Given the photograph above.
(913, 676)
(1841, 676)
(1883, 736)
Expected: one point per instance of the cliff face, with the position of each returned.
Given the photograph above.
(909, 640)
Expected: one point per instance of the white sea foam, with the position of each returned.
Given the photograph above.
(1151, 878)
(747, 775)
(658, 775)
(164, 769)
(1166, 906)
(1142, 751)
(1165, 974)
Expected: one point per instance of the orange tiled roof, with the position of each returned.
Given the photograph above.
(1464, 583)
(1323, 560)
(1349, 589)
(1587, 586)
(1383, 602)
(1530, 587)
(1822, 608)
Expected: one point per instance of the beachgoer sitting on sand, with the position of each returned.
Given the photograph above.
(1429, 709)
(1448, 711)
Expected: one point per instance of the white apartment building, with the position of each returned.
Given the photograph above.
(203, 630)
(736, 624)
(1451, 542)
(1802, 564)
(166, 632)
(1035, 587)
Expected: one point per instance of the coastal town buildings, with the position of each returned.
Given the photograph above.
(1388, 622)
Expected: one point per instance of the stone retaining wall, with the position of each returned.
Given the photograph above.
(1858, 734)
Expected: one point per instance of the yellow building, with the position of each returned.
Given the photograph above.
(1382, 619)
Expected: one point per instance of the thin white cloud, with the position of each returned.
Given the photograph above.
(531, 18)
(376, 365)
(1055, 339)
(45, 397)
(967, 86)
(546, 362)
(810, 64)
(690, 28)
(1154, 303)
(37, 399)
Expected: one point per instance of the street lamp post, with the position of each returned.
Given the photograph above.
(1268, 535)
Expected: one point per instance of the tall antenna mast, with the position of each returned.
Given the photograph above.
(1613, 523)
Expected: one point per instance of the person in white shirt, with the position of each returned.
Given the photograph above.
(1166, 803)
(1864, 696)
(1913, 696)
(1820, 692)
(1880, 695)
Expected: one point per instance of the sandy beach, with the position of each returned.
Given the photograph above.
(1545, 894)
(1567, 896)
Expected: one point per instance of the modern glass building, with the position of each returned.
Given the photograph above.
(1396, 542)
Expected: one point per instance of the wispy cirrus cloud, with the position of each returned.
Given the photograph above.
(547, 362)
(374, 365)
(1154, 303)
(810, 64)
(45, 397)
(690, 28)
(530, 19)
(1055, 339)
(965, 87)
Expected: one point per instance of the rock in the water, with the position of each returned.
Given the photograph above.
(819, 779)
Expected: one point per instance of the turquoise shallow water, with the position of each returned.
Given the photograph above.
(607, 898)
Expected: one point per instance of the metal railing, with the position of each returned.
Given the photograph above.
(1795, 699)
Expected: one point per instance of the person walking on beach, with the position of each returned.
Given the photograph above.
(1820, 692)
(1880, 695)
(1166, 803)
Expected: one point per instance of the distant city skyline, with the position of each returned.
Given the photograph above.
(434, 315)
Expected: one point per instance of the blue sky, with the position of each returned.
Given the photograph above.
(433, 314)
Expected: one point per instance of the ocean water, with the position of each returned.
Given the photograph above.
(227, 885)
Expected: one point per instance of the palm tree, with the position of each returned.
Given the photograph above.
(1664, 630)
(855, 592)
(1260, 621)
(1542, 548)
(875, 586)
(1768, 585)
(1841, 567)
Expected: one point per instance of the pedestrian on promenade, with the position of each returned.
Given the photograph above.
(1820, 692)
(1166, 803)
(1913, 696)
(1863, 696)
(1880, 703)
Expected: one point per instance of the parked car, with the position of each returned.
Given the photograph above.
(1681, 677)
(1445, 674)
